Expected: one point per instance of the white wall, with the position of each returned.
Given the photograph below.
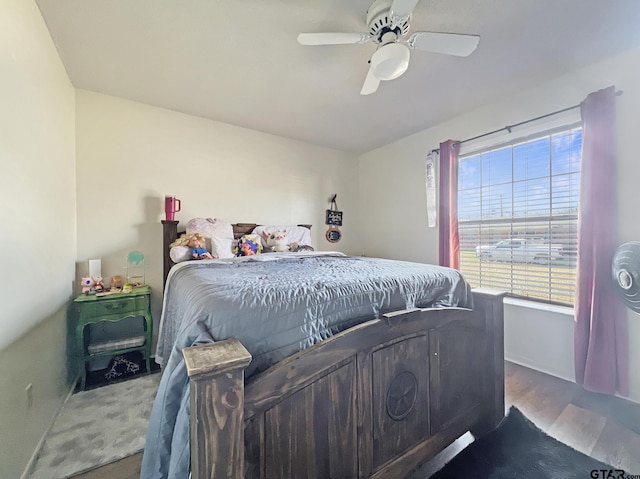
(37, 229)
(37, 184)
(392, 197)
(540, 336)
(131, 155)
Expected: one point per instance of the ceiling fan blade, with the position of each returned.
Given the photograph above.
(332, 38)
(370, 83)
(447, 43)
(402, 9)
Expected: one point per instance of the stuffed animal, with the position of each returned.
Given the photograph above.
(248, 247)
(197, 251)
(276, 241)
(87, 283)
(195, 241)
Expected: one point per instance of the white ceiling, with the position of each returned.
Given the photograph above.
(237, 61)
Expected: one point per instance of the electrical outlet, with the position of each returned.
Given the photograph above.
(29, 391)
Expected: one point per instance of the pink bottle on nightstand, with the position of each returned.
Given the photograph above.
(171, 207)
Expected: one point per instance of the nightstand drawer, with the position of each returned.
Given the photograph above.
(107, 307)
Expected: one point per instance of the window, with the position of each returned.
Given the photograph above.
(518, 215)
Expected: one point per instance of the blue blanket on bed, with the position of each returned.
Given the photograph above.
(167, 453)
(276, 305)
(279, 304)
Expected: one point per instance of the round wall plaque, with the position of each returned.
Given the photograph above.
(333, 234)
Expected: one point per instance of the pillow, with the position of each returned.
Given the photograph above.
(295, 234)
(248, 243)
(179, 254)
(210, 228)
(222, 247)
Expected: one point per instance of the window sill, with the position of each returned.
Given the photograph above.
(552, 308)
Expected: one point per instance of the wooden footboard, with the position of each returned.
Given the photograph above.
(374, 401)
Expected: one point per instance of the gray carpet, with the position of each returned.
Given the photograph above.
(97, 427)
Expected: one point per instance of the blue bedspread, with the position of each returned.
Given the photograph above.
(276, 305)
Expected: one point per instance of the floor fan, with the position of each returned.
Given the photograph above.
(625, 269)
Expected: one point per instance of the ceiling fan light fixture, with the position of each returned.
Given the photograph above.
(390, 61)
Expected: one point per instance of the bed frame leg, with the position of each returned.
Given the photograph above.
(490, 303)
(216, 377)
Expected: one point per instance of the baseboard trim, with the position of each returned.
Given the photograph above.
(32, 461)
(524, 363)
(571, 380)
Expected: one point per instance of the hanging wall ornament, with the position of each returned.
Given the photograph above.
(430, 172)
(334, 219)
(333, 234)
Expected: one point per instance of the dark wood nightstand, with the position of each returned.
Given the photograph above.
(91, 309)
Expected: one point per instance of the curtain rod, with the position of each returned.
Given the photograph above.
(510, 127)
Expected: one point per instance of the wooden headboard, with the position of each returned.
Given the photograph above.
(170, 234)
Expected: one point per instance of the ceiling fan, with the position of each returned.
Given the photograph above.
(388, 24)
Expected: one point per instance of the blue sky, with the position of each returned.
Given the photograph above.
(518, 180)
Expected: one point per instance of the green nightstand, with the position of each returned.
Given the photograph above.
(91, 309)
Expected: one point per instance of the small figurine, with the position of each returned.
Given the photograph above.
(87, 284)
(116, 283)
(98, 287)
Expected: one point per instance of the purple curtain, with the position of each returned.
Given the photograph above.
(601, 343)
(449, 254)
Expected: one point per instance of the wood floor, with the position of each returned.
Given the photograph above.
(603, 427)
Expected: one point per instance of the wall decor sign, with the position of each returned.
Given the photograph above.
(334, 217)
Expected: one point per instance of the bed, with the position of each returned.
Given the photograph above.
(384, 382)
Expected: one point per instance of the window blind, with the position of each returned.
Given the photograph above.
(518, 212)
